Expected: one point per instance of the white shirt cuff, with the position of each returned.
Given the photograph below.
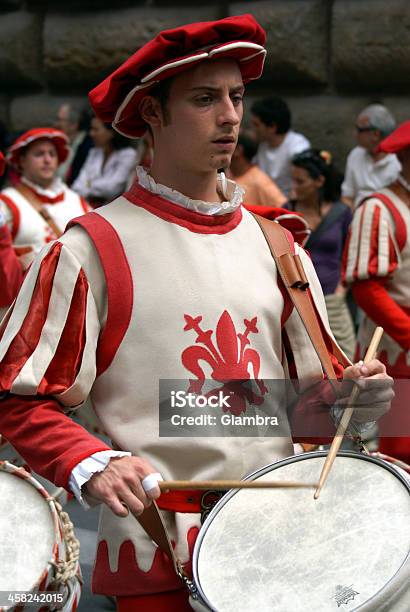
(89, 466)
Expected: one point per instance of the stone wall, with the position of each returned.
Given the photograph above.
(328, 58)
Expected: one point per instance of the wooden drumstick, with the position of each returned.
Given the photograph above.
(224, 485)
(347, 415)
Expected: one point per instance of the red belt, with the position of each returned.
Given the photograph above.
(190, 501)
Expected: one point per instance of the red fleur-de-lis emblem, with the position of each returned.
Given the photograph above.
(229, 360)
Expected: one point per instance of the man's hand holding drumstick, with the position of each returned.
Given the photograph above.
(132, 482)
(373, 393)
(121, 483)
(376, 390)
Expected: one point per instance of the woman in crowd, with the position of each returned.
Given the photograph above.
(108, 167)
(36, 210)
(316, 196)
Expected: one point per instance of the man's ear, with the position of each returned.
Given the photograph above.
(151, 111)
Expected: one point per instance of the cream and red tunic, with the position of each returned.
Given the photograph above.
(29, 230)
(377, 265)
(143, 290)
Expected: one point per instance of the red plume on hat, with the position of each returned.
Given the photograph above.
(2, 164)
(117, 98)
(58, 138)
(397, 140)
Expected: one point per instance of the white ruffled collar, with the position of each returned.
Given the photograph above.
(55, 189)
(227, 188)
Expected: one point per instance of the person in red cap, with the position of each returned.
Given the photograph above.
(172, 280)
(377, 266)
(38, 208)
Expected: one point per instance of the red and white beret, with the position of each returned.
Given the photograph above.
(117, 98)
(397, 140)
(2, 164)
(58, 138)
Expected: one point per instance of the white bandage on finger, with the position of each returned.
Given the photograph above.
(151, 481)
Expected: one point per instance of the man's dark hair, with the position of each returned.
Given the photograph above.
(161, 93)
(249, 146)
(273, 111)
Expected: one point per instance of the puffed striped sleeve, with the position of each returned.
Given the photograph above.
(371, 249)
(48, 341)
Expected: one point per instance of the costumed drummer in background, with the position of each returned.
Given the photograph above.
(377, 266)
(35, 210)
(159, 284)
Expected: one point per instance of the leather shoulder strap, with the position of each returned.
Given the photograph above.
(291, 270)
(39, 208)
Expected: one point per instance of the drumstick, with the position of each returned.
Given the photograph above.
(172, 485)
(347, 415)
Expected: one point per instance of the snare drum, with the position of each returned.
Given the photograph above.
(279, 550)
(38, 553)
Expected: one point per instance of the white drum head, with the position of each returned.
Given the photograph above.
(26, 533)
(279, 550)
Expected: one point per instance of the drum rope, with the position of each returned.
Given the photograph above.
(68, 568)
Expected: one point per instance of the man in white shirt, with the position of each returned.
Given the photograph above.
(368, 170)
(278, 143)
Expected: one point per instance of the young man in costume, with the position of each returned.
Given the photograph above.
(377, 265)
(38, 208)
(159, 284)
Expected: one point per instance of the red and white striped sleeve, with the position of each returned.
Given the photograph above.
(371, 249)
(48, 342)
(47, 363)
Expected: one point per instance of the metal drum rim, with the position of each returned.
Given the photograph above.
(268, 468)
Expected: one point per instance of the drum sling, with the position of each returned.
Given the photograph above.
(38, 206)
